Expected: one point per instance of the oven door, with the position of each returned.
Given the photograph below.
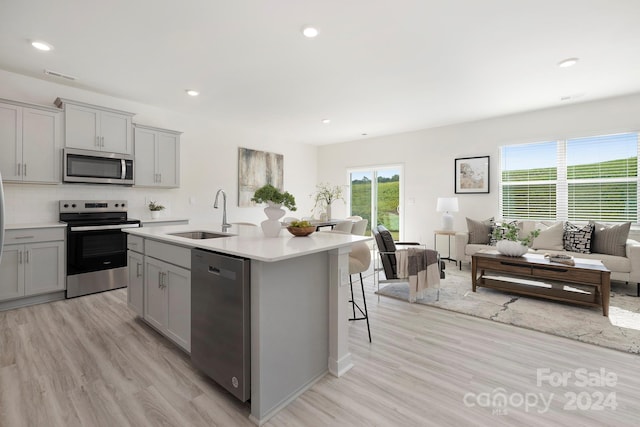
(95, 248)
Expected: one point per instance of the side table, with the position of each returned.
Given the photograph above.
(449, 234)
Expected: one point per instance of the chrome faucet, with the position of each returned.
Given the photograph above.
(224, 207)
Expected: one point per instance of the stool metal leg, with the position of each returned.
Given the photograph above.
(365, 312)
(364, 301)
(353, 303)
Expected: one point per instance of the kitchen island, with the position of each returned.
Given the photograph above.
(299, 304)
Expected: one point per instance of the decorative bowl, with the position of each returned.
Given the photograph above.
(301, 231)
(511, 248)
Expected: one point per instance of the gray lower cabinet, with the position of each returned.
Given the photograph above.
(167, 300)
(160, 287)
(31, 269)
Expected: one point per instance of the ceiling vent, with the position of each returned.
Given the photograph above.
(57, 74)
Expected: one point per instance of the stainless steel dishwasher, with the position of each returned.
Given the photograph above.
(220, 320)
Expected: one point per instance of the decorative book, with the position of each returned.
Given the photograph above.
(560, 258)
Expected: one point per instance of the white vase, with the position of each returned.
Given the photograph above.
(511, 248)
(272, 226)
(328, 211)
(155, 214)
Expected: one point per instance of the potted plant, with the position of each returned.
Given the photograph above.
(325, 195)
(274, 198)
(155, 209)
(509, 241)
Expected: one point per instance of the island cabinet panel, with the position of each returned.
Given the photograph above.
(30, 149)
(135, 290)
(167, 300)
(155, 307)
(157, 157)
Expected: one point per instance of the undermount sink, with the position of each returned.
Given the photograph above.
(199, 235)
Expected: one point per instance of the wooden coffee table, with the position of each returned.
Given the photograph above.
(587, 283)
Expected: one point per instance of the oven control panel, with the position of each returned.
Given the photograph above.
(71, 206)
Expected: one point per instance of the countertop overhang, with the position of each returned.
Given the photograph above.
(250, 242)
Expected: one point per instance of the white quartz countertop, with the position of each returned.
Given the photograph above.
(249, 242)
(34, 225)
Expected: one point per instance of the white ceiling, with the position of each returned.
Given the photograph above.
(378, 66)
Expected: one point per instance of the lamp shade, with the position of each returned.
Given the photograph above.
(447, 204)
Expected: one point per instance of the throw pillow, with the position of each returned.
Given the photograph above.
(479, 231)
(578, 239)
(550, 238)
(610, 240)
(498, 232)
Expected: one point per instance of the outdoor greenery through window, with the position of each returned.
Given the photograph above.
(377, 203)
(580, 179)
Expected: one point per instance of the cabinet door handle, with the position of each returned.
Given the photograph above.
(160, 279)
(24, 169)
(102, 141)
(18, 169)
(138, 265)
(19, 257)
(159, 179)
(26, 257)
(97, 141)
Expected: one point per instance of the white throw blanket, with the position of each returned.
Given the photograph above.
(420, 267)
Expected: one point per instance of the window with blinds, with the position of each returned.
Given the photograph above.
(594, 178)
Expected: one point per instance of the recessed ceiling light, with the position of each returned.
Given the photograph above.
(364, 134)
(325, 121)
(40, 45)
(568, 62)
(192, 92)
(310, 32)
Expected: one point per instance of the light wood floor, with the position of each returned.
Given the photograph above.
(89, 362)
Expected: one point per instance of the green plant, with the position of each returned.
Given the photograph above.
(510, 231)
(326, 194)
(269, 193)
(300, 224)
(155, 206)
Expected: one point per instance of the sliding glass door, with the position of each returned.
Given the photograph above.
(376, 194)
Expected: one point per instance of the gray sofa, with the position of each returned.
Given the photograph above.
(624, 268)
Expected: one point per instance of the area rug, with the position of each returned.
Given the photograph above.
(620, 331)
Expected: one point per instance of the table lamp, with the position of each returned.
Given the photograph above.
(447, 205)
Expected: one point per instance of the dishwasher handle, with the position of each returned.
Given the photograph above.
(222, 272)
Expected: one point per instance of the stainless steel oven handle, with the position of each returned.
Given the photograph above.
(104, 227)
(123, 169)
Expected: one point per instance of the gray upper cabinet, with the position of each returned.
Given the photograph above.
(96, 128)
(30, 142)
(157, 157)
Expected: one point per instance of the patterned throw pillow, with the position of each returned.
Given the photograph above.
(610, 240)
(479, 231)
(498, 232)
(578, 239)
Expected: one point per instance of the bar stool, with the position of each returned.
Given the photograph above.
(359, 261)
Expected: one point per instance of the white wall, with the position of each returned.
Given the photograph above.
(209, 158)
(428, 156)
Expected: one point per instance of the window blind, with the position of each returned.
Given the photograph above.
(593, 178)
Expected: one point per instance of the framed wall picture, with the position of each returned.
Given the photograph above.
(255, 169)
(472, 175)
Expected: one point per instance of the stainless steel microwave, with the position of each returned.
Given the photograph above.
(97, 167)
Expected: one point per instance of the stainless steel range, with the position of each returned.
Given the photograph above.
(96, 245)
